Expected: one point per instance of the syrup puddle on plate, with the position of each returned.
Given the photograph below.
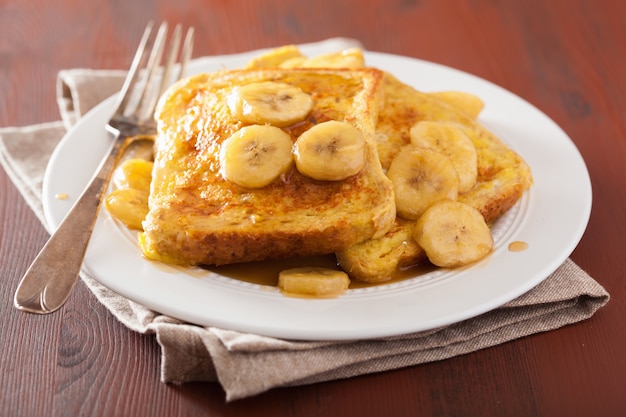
(518, 246)
(266, 272)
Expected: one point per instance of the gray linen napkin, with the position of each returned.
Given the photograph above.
(248, 364)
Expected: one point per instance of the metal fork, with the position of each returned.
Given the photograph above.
(48, 282)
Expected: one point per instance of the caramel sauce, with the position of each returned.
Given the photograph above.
(518, 246)
(266, 272)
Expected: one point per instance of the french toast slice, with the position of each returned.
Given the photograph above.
(503, 177)
(198, 217)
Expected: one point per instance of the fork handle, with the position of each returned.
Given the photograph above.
(50, 278)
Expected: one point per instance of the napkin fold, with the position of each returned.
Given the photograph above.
(249, 364)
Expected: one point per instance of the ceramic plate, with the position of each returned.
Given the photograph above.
(550, 218)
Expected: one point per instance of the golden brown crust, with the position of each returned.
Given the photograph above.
(503, 177)
(198, 217)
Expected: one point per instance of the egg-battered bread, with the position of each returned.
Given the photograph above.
(503, 177)
(200, 213)
(197, 216)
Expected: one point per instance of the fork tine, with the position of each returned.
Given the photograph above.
(144, 104)
(186, 54)
(131, 78)
(139, 95)
(151, 96)
(171, 57)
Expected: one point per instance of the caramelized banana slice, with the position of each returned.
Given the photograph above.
(275, 57)
(330, 151)
(133, 173)
(453, 234)
(313, 281)
(421, 177)
(293, 62)
(452, 141)
(348, 58)
(269, 102)
(256, 155)
(469, 103)
(128, 205)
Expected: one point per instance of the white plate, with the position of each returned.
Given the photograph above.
(551, 218)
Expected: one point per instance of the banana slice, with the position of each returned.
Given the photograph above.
(453, 234)
(313, 281)
(420, 178)
(293, 62)
(275, 57)
(347, 58)
(269, 102)
(469, 103)
(450, 140)
(133, 173)
(128, 205)
(256, 155)
(330, 151)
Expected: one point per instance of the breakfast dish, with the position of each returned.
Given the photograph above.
(314, 157)
(419, 302)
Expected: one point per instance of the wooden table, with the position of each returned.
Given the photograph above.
(564, 56)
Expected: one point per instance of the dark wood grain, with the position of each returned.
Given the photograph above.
(564, 56)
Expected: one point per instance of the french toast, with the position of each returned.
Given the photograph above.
(501, 179)
(205, 209)
(198, 215)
